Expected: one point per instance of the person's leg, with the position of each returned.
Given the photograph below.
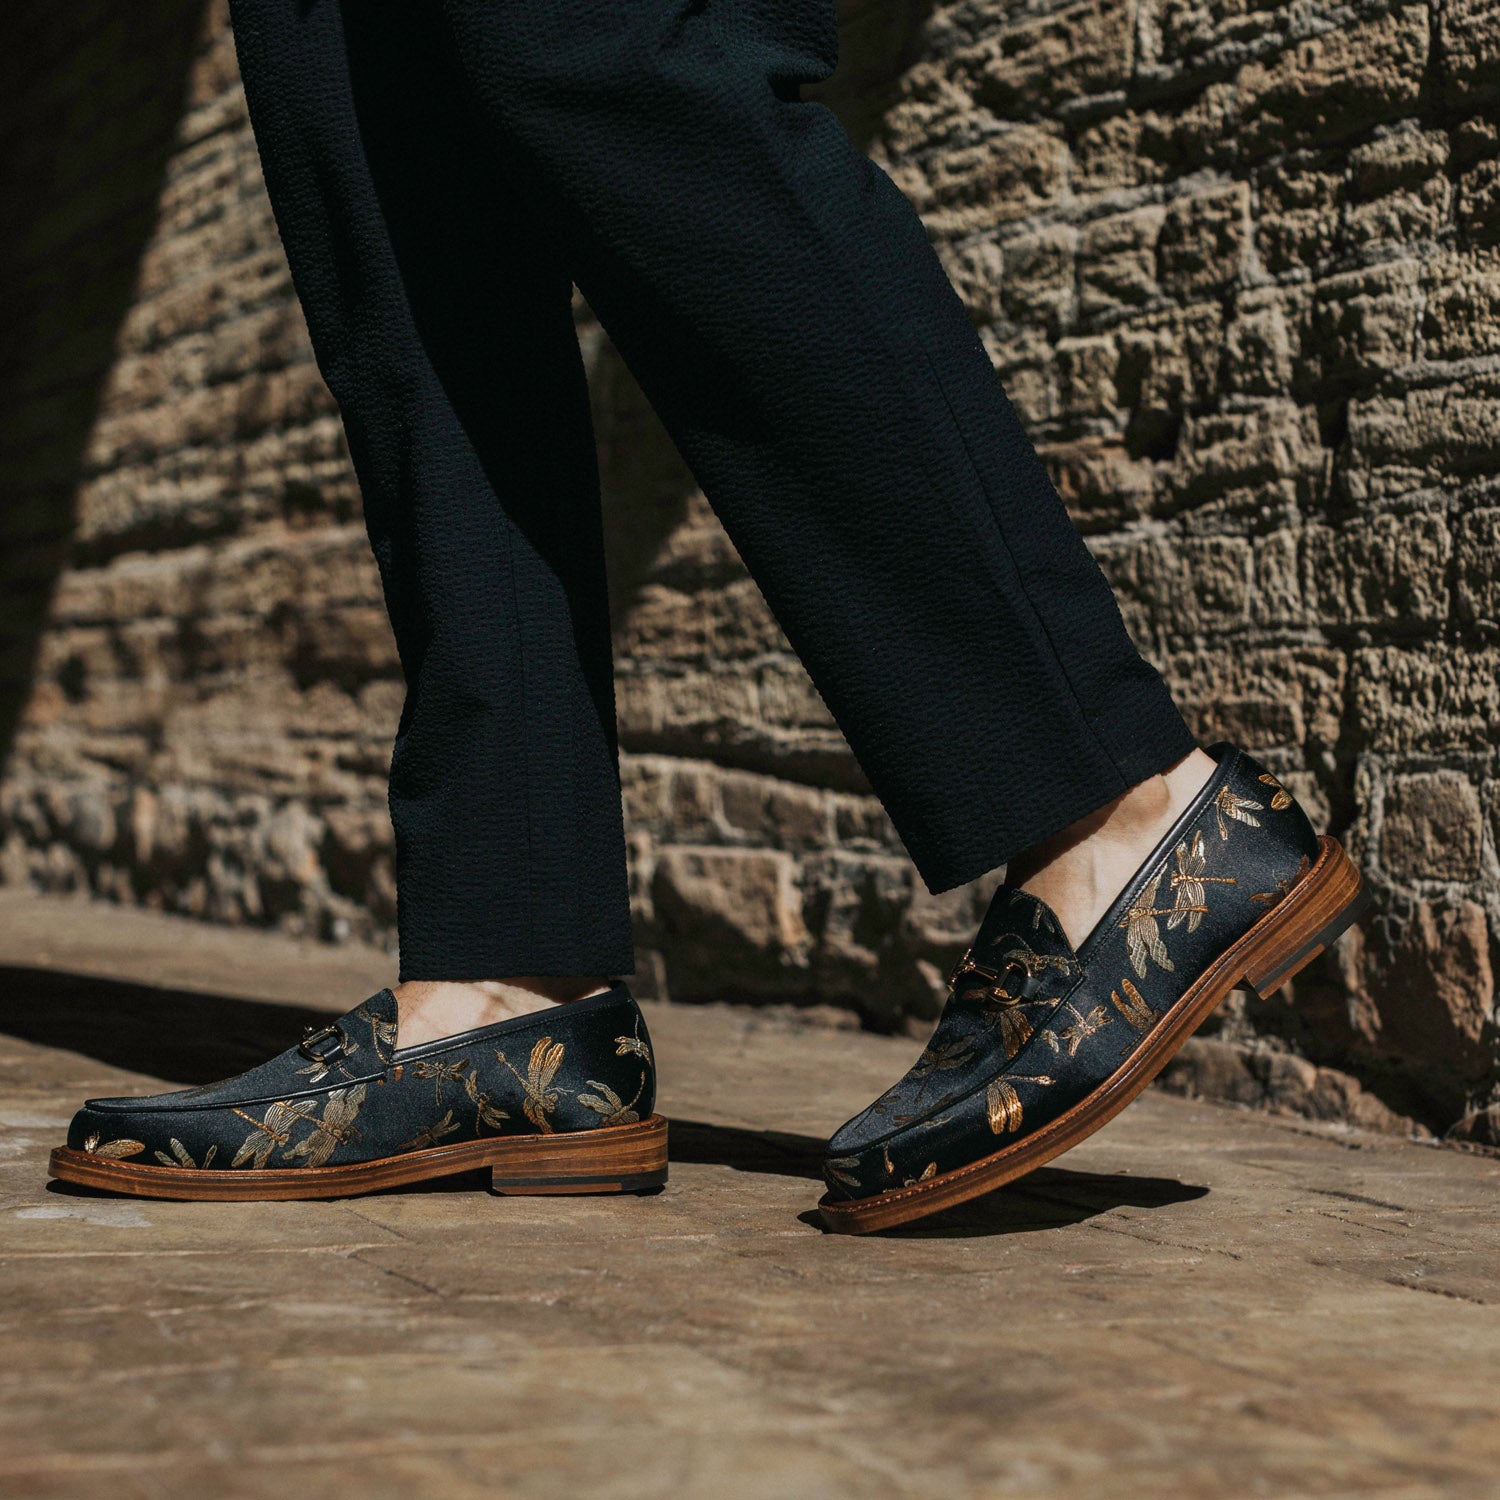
(779, 301)
(440, 315)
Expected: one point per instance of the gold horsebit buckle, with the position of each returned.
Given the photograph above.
(996, 993)
(312, 1035)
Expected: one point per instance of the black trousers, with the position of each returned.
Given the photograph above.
(442, 172)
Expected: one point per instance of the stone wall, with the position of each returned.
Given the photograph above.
(1238, 266)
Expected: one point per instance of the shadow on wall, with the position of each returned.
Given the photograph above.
(90, 96)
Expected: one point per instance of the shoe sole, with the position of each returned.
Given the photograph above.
(609, 1159)
(1328, 899)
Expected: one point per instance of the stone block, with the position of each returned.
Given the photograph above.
(1191, 134)
(1201, 247)
(692, 806)
(1328, 86)
(1262, 697)
(731, 918)
(1430, 434)
(645, 781)
(1461, 305)
(1181, 32)
(1384, 569)
(1274, 442)
(1431, 827)
(1363, 325)
(933, 106)
(1037, 278)
(971, 189)
(1478, 556)
(1425, 989)
(1478, 204)
(1101, 484)
(1117, 261)
(1033, 64)
(1299, 222)
(1469, 44)
(1172, 587)
(1086, 378)
(1259, 344)
(1107, 155)
(1427, 699)
(1169, 363)
(779, 813)
(1400, 190)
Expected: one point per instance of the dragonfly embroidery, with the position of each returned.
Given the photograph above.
(1002, 1104)
(609, 1104)
(1133, 1007)
(1143, 938)
(541, 1097)
(1229, 804)
(1188, 883)
(1283, 886)
(334, 1129)
(274, 1130)
(425, 1140)
(181, 1157)
(1070, 1038)
(1280, 797)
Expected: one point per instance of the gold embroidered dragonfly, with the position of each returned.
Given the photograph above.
(1143, 937)
(486, 1111)
(940, 1058)
(1229, 804)
(928, 1172)
(272, 1131)
(609, 1104)
(1188, 883)
(1280, 798)
(382, 1032)
(441, 1073)
(541, 1098)
(633, 1043)
(998, 1007)
(1070, 1038)
(1002, 1104)
(180, 1156)
(115, 1150)
(424, 1140)
(334, 1129)
(1015, 1029)
(1133, 1007)
(843, 1168)
(1283, 887)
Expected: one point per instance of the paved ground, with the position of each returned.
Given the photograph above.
(1197, 1302)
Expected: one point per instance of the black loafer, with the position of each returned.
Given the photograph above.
(556, 1102)
(1038, 1044)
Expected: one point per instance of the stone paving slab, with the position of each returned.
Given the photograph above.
(1196, 1302)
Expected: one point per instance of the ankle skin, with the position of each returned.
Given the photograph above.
(1079, 871)
(434, 1008)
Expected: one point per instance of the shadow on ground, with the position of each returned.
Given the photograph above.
(1049, 1197)
(178, 1036)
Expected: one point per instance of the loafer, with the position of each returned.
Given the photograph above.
(555, 1102)
(1040, 1044)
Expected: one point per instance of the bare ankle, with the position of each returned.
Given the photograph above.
(433, 1008)
(1079, 871)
